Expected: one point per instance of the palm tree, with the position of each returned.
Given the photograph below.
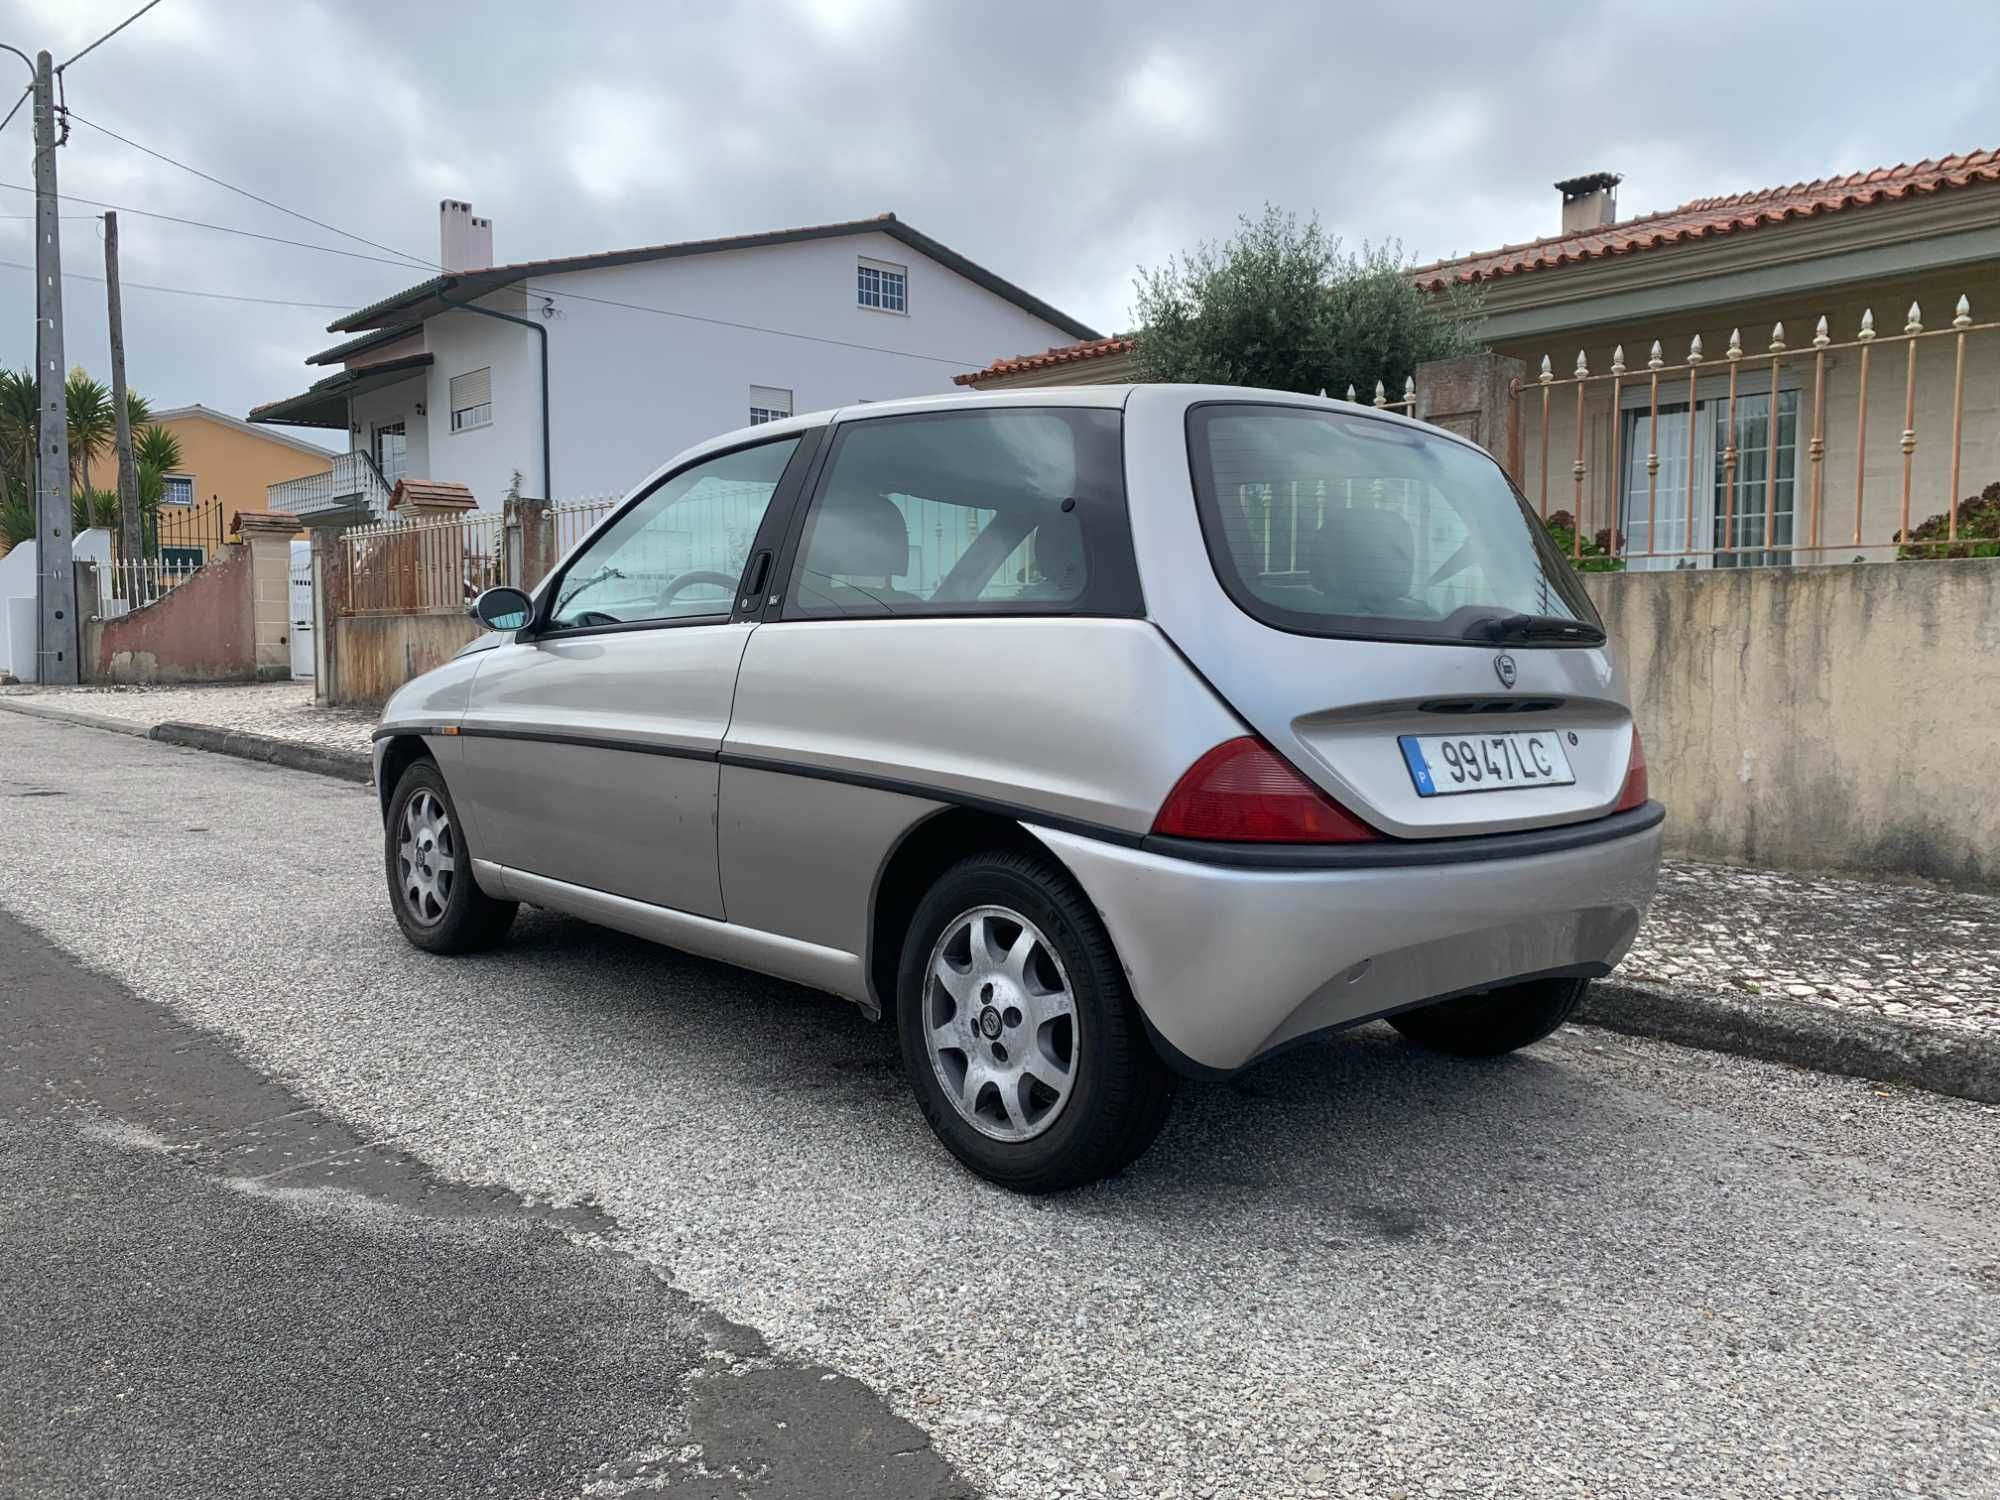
(157, 452)
(91, 424)
(20, 435)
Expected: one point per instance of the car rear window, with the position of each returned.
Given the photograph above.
(1330, 523)
(1015, 511)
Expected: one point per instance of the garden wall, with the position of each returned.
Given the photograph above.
(1837, 718)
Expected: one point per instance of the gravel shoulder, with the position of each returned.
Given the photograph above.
(1605, 1267)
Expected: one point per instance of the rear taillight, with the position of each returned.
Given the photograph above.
(1243, 791)
(1634, 793)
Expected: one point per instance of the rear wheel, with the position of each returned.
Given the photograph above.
(438, 904)
(1019, 1035)
(1493, 1021)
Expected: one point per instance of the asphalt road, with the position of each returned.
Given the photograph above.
(1604, 1267)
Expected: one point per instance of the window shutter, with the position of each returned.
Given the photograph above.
(770, 398)
(474, 388)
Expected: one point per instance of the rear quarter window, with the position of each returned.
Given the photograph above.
(1018, 511)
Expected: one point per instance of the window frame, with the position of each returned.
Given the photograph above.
(1201, 470)
(167, 480)
(457, 411)
(1119, 596)
(762, 415)
(882, 268)
(771, 532)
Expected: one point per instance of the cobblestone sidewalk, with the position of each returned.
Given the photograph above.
(282, 710)
(1904, 953)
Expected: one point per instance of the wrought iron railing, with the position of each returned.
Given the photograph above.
(351, 483)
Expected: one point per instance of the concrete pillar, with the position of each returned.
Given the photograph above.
(88, 626)
(329, 559)
(1473, 397)
(531, 539)
(268, 537)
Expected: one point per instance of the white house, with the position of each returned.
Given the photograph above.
(583, 373)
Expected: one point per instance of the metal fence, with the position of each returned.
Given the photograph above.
(572, 520)
(421, 567)
(1726, 463)
(125, 583)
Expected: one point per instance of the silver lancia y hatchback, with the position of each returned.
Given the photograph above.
(1095, 736)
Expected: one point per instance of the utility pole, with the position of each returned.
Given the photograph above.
(55, 580)
(131, 540)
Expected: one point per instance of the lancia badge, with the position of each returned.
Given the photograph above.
(1503, 664)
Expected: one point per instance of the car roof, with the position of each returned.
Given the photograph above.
(1113, 397)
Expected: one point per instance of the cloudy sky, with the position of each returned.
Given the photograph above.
(1061, 144)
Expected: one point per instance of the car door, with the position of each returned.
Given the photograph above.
(590, 741)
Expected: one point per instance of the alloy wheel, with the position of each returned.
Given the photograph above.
(426, 858)
(1000, 1023)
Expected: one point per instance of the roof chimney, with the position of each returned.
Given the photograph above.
(1589, 202)
(465, 243)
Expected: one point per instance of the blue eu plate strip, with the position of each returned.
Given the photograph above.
(1420, 770)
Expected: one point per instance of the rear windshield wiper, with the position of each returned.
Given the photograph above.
(1550, 628)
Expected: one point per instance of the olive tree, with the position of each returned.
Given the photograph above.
(1282, 306)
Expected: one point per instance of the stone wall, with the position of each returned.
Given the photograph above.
(203, 630)
(373, 655)
(1837, 718)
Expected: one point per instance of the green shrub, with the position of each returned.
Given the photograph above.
(1978, 530)
(1596, 553)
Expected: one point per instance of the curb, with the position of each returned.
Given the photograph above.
(75, 716)
(344, 764)
(1805, 1036)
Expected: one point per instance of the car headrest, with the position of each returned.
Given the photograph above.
(1364, 557)
(859, 535)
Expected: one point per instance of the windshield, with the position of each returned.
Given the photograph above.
(1325, 523)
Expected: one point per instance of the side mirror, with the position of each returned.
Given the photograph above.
(503, 609)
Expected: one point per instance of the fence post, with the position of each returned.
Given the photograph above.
(268, 537)
(530, 535)
(1471, 396)
(89, 606)
(329, 565)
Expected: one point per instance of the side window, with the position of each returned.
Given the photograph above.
(679, 552)
(1019, 511)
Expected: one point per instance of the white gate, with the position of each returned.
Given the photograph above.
(301, 604)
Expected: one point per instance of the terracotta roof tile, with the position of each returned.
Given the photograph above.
(1048, 359)
(1706, 218)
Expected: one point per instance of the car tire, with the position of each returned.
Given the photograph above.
(1493, 1021)
(440, 907)
(1118, 1092)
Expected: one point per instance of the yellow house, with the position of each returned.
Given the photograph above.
(225, 466)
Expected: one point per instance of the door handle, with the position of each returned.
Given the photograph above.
(753, 584)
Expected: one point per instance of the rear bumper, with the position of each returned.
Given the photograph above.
(1230, 962)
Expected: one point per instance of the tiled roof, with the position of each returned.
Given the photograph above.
(413, 304)
(438, 494)
(1048, 359)
(1706, 218)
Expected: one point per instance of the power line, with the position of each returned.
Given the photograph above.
(147, 213)
(416, 261)
(253, 197)
(182, 291)
(17, 106)
(109, 34)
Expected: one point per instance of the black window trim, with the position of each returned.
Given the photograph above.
(1130, 607)
(1226, 574)
(770, 533)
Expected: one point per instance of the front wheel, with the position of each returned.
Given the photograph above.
(1493, 1021)
(1019, 1034)
(438, 903)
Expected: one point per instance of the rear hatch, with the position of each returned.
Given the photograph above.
(1399, 625)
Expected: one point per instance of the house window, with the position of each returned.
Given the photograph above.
(1656, 518)
(472, 399)
(769, 404)
(392, 452)
(177, 489)
(882, 286)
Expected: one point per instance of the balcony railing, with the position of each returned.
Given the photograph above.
(353, 483)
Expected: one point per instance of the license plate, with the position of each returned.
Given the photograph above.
(1445, 765)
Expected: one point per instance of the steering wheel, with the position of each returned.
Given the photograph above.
(688, 580)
